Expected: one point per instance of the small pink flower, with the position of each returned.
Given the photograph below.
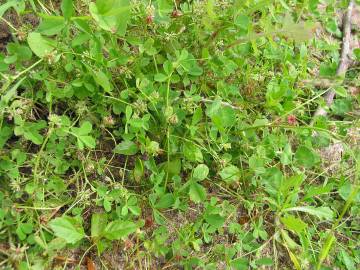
(149, 19)
(291, 119)
(176, 13)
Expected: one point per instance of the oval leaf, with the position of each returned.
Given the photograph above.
(40, 45)
(118, 229)
(126, 148)
(67, 228)
(201, 172)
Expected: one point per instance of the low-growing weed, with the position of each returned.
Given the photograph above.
(176, 135)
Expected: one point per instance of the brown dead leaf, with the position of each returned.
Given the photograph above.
(90, 264)
(354, 90)
(243, 219)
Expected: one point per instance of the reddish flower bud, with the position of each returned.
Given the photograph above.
(291, 119)
(149, 222)
(176, 13)
(149, 19)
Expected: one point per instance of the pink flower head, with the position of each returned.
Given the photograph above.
(291, 119)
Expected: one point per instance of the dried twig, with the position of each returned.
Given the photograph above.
(344, 58)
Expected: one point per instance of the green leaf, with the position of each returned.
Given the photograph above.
(197, 193)
(173, 167)
(165, 201)
(320, 212)
(21, 53)
(3, 66)
(67, 8)
(98, 224)
(138, 170)
(164, 6)
(327, 69)
(67, 228)
(11, 93)
(200, 172)
(230, 173)
(56, 184)
(332, 26)
(136, 210)
(119, 229)
(213, 108)
(293, 223)
(51, 25)
(197, 116)
(128, 112)
(306, 157)
(84, 129)
(160, 77)
(264, 261)
(324, 252)
(26, 228)
(275, 92)
(293, 182)
(210, 9)
(356, 52)
(111, 15)
(192, 152)
(288, 241)
(256, 163)
(242, 21)
(23, 230)
(126, 148)
(107, 205)
(341, 106)
(168, 67)
(240, 264)
(101, 79)
(82, 136)
(294, 260)
(347, 260)
(5, 134)
(286, 155)
(56, 244)
(224, 118)
(20, 233)
(318, 190)
(340, 91)
(215, 220)
(31, 131)
(345, 191)
(148, 47)
(297, 31)
(40, 45)
(87, 141)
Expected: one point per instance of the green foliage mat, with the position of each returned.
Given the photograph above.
(176, 135)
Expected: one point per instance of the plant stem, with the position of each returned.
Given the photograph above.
(168, 130)
(344, 59)
(39, 154)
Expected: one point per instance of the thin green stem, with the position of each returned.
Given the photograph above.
(291, 127)
(167, 155)
(39, 154)
(155, 64)
(119, 100)
(168, 130)
(86, 252)
(27, 69)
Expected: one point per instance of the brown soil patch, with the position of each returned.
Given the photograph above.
(5, 36)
